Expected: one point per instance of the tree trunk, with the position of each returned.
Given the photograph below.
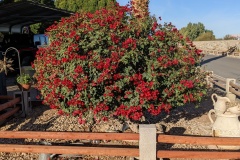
(140, 9)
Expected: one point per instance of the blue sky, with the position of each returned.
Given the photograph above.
(220, 16)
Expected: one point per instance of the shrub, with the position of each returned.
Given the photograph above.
(103, 64)
(206, 36)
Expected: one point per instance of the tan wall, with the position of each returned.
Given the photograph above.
(220, 45)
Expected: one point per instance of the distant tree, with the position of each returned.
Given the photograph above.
(91, 5)
(104, 3)
(40, 27)
(62, 4)
(206, 36)
(229, 37)
(193, 30)
(83, 5)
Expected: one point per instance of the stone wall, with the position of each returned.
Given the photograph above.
(218, 45)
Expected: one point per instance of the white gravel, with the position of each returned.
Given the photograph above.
(187, 120)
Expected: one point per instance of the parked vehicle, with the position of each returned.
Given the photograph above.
(40, 40)
(27, 46)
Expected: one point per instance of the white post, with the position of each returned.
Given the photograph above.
(147, 142)
(229, 94)
(208, 77)
(208, 82)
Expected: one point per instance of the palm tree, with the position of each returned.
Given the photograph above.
(140, 9)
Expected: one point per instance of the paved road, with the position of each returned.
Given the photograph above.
(226, 67)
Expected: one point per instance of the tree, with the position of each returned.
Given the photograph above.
(40, 27)
(83, 5)
(62, 4)
(193, 30)
(229, 37)
(140, 9)
(206, 36)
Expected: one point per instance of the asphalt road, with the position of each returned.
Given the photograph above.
(226, 67)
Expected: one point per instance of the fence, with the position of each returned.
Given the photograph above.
(200, 154)
(130, 151)
(111, 151)
(150, 144)
(229, 85)
(224, 53)
(12, 101)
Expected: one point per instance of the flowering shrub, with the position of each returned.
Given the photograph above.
(103, 64)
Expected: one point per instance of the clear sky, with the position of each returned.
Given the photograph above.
(220, 16)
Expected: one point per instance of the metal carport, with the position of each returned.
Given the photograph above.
(14, 16)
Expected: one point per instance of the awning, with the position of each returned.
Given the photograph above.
(14, 16)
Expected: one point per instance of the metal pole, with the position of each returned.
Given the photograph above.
(20, 70)
(19, 63)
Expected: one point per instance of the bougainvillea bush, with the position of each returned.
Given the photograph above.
(105, 65)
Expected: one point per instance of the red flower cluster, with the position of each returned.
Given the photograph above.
(187, 83)
(190, 60)
(145, 91)
(198, 51)
(132, 112)
(167, 62)
(188, 98)
(155, 110)
(114, 38)
(129, 43)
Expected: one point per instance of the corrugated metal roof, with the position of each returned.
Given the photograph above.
(14, 16)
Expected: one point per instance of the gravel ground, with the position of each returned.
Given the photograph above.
(187, 120)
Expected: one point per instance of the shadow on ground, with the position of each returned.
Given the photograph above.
(188, 112)
(28, 123)
(211, 59)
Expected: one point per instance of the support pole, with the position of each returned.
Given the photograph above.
(147, 143)
(208, 81)
(229, 94)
